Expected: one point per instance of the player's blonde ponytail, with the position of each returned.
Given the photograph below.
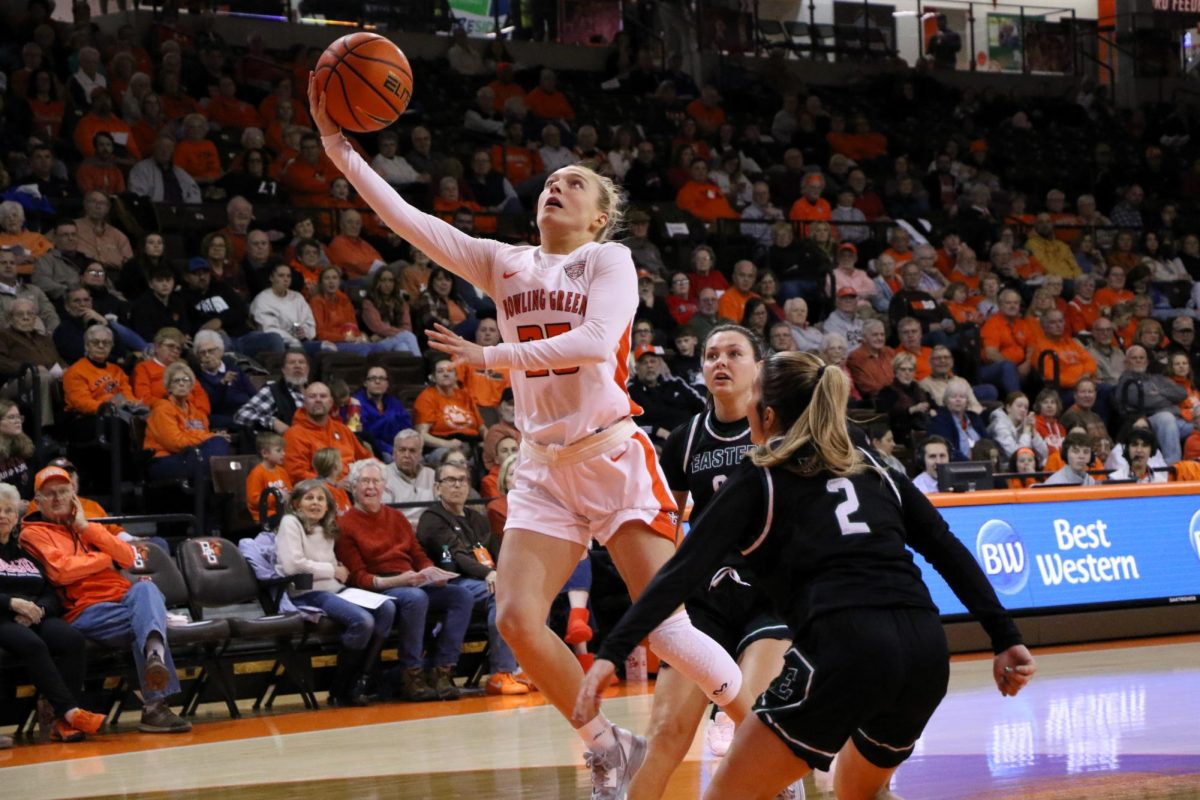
(809, 399)
(611, 202)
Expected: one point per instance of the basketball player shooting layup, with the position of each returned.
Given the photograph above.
(586, 470)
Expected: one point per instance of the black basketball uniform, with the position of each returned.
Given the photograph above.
(698, 457)
(869, 660)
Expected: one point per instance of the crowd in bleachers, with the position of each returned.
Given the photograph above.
(1003, 279)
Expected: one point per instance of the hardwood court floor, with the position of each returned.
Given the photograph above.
(1109, 721)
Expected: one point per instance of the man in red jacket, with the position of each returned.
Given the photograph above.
(81, 559)
(377, 545)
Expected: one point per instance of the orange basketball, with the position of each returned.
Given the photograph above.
(366, 80)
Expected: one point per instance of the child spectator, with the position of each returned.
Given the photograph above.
(1024, 462)
(327, 463)
(1078, 448)
(269, 474)
(489, 487)
(1048, 407)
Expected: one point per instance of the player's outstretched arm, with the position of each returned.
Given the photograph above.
(465, 256)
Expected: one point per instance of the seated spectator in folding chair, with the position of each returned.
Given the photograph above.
(34, 633)
(227, 388)
(317, 426)
(382, 414)
(446, 415)
(81, 314)
(93, 382)
(94, 511)
(148, 386)
(274, 406)
(461, 540)
(304, 545)
(267, 474)
(177, 426)
(81, 560)
(407, 479)
(382, 553)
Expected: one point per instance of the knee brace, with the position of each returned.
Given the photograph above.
(697, 656)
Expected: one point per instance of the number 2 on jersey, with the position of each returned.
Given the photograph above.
(533, 333)
(847, 506)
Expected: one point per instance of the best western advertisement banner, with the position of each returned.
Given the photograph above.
(1041, 555)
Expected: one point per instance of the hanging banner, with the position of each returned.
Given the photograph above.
(478, 17)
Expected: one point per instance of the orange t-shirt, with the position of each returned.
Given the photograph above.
(334, 317)
(90, 125)
(170, 429)
(258, 481)
(733, 304)
(229, 112)
(198, 159)
(705, 201)
(970, 281)
(447, 416)
(354, 255)
(148, 386)
(1081, 315)
(516, 163)
(1010, 338)
(86, 387)
(95, 177)
(549, 105)
(805, 211)
(309, 183)
(483, 385)
(706, 117)
(503, 91)
(963, 313)
(1107, 298)
(1074, 361)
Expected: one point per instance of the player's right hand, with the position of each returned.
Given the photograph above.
(587, 702)
(1012, 669)
(316, 107)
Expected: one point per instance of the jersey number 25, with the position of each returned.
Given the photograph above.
(533, 333)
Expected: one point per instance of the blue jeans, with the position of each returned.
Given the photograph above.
(403, 342)
(1001, 374)
(178, 466)
(361, 624)
(413, 604)
(130, 622)
(500, 655)
(1170, 430)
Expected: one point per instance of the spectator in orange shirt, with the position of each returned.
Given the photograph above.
(228, 111)
(176, 102)
(101, 172)
(284, 90)
(702, 197)
(898, 246)
(276, 127)
(445, 413)
(1074, 361)
(268, 474)
(101, 118)
(870, 363)
(334, 314)
(706, 110)
(315, 427)
(348, 250)
(148, 384)
(504, 86)
(176, 426)
(810, 206)
(309, 176)
(92, 381)
(966, 269)
(1005, 342)
(733, 302)
(957, 302)
(485, 386)
(518, 163)
(947, 255)
(547, 102)
(909, 332)
(1115, 292)
(196, 154)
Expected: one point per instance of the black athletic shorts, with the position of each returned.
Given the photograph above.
(735, 615)
(876, 675)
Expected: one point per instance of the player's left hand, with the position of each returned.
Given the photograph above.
(445, 340)
(587, 702)
(1012, 669)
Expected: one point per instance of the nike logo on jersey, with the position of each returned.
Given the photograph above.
(508, 275)
(617, 457)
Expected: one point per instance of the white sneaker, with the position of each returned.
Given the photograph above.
(793, 792)
(613, 770)
(719, 735)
